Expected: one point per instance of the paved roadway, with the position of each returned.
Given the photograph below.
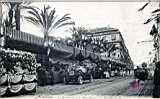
(113, 86)
(100, 87)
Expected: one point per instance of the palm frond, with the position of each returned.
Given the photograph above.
(6, 4)
(32, 20)
(27, 2)
(46, 19)
(29, 7)
(144, 6)
(155, 11)
(43, 19)
(34, 13)
(62, 19)
(51, 17)
(150, 19)
(64, 24)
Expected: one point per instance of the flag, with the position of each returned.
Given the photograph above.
(153, 30)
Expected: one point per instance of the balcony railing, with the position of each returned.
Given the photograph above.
(22, 36)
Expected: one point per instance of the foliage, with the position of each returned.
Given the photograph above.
(77, 33)
(46, 20)
(14, 12)
(79, 38)
(155, 13)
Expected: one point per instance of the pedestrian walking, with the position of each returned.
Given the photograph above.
(156, 89)
(107, 74)
(124, 73)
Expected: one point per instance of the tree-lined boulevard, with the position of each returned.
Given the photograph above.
(93, 61)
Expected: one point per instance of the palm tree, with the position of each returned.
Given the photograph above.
(46, 20)
(77, 33)
(155, 13)
(154, 32)
(14, 11)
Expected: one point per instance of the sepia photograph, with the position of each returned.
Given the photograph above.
(52, 49)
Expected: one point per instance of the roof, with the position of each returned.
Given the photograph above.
(103, 29)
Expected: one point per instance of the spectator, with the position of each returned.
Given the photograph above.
(137, 72)
(107, 74)
(42, 78)
(156, 90)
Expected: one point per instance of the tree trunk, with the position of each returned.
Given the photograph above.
(10, 13)
(45, 54)
(17, 16)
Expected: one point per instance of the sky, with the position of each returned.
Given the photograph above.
(121, 15)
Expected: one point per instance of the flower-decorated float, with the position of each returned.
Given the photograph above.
(17, 72)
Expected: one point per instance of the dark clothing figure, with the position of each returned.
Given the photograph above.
(156, 90)
(51, 77)
(137, 73)
(141, 74)
(157, 76)
(41, 76)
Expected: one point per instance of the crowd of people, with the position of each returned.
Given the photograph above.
(141, 74)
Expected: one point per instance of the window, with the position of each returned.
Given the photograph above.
(118, 55)
(113, 37)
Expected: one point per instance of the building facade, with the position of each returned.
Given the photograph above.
(110, 42)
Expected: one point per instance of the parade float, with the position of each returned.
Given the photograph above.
(17, 72)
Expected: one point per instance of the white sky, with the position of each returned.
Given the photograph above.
(121, 15)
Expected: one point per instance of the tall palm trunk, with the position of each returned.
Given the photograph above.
(10, 13)
(45, 54)
(17, 16)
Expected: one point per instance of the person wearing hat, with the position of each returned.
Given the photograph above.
(137, 72)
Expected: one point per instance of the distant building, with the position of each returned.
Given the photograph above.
(111, 43)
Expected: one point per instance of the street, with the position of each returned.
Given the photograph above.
(116, 86)
(113, 86)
